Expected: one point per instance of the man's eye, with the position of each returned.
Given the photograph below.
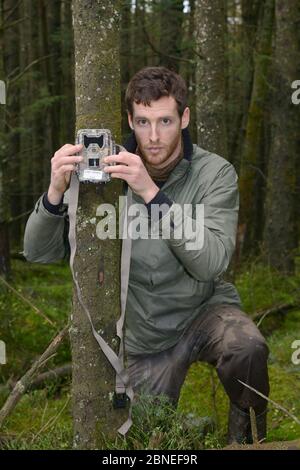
(142, 122)
(166, 121)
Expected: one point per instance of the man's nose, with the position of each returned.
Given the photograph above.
(154, 134)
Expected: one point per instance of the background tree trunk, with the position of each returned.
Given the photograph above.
(210, 75)
(171, 33)
(97, 92)
(281, 214)
(66, 72)
(250, 176)
(126, 55)
(188, 69)
(138, 42)
(242, 29)
(4, 239)
(9, 142)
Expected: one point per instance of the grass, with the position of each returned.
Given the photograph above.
(24, 331)
(42, 419)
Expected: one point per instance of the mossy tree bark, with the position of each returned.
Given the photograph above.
(126, 51)
(9, 46)
(67, 108)
(240, 77)
(280, 233)
(171, 33)
(250, 176)
(97, 91)
(138, 43)
(210, 75)
(4, 239)
(188, 69)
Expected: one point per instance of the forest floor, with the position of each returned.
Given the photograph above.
(42, 419)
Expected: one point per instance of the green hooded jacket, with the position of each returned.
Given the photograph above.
(170, 281)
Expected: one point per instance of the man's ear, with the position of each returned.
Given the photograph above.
(185, 118)
(130, 122)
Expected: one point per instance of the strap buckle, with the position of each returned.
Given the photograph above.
(120, 400)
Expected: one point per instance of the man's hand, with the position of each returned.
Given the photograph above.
(131, 169)
(62, 164)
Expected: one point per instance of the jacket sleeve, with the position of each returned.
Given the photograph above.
(205, 244)
(45, 237)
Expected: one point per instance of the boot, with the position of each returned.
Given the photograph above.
(239, 426)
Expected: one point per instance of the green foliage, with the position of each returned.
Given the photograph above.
(261, 287)
(43, 102)
(39, 423)
(25, 332)
(157, 425)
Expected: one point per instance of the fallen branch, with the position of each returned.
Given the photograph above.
(53, 374)
(280, 407)
(23, 384)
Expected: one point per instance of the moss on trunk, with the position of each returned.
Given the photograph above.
(97, 78)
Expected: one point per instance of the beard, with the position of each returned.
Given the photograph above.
(163, 156)
(161, 163)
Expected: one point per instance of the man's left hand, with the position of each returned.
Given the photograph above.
(131, 169)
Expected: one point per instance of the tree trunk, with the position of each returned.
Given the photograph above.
(4, 247)
(171, 33)
(280, 226)
(97, 91)
(25, 98)
(188, 69)
(126, 56)
(9, 148)
(210, 75)
(250, 176)
(241, 39)
(139, 43)
(67, 106)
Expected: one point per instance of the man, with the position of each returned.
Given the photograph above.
(178, 309)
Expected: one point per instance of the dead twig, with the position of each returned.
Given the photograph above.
(253, 425)
(280, 407)
(23, 384)
(51, 421)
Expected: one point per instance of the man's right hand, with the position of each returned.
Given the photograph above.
(62, 164)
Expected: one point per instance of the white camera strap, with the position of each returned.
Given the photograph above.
(122, 377)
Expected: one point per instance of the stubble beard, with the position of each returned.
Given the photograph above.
(162, 158)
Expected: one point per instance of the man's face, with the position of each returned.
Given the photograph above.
(158, 129)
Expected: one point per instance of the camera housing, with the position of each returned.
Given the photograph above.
(97, 144)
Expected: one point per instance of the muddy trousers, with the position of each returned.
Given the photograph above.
(223, 336)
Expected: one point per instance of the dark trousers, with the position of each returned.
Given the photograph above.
(221, 335)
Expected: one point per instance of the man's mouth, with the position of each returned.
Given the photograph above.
(154, 149)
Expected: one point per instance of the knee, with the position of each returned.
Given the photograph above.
(256, 349)
(251, 350)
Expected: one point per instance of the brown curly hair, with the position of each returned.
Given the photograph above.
(151, 83)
